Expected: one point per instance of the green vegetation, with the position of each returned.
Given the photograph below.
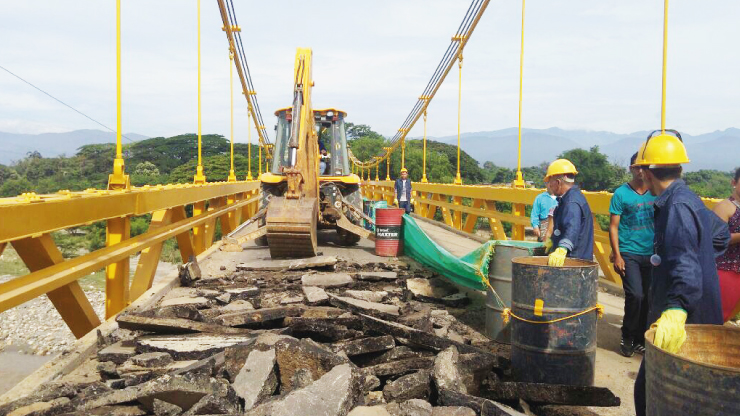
(173, 160)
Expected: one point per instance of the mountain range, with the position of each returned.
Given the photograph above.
(717, 150)
(15, 146)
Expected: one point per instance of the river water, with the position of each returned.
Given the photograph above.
(15, 365)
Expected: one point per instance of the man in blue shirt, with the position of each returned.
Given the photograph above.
(631, 236)
(402, 191)
(573, 223)
(540, 211)
(685, 284)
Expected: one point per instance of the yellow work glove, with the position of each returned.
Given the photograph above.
(670, 330)
(548, 245)
(412, 201)
(395, 201)
(557, 257)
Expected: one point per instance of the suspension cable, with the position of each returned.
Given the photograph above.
(453, 52)
(665, 64)
(424, 162)
(519, 177)
(233, 34)
(458, 178)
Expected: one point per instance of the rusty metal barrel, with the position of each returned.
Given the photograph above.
(703, 379)
(388, 238)
(543, 351)
(499, 276)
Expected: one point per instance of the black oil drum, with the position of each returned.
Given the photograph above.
(555, 353)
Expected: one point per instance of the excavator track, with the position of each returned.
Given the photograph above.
(291, 227)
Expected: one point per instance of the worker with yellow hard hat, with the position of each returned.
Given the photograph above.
(685, 284)
(573, 224)
(402, 191)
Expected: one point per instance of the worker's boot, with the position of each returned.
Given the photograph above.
(627, 347)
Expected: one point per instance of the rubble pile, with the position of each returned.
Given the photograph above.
(325, 339)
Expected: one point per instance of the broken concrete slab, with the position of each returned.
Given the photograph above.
(411, 386)
(163, 408)
(108, 369)
(181, 390)
(152, 359)
(369, 411)
(415, 407)
(237, 306)
(321, 329)
(189, 346)
(315, 295)
(189, 272)
(374, 398)
(380, 310)
(365, 345)
(376, 276)
(207, 366)
(289, 264)
(435, 290)
(420, 338)
(257, 317)
(482, 407)
(367, 295)
(242, 293)
(446, 374)
(401, 367)
(293, 355)
(224, 298)
(538, 393)
(176, 311)
(53, 407)
(256, 379)
(291, 300)
(397, 353)
(322, 312)
(334, 394)
(326, 279)
(556, 410)
(122, 410)
(172, 325)
(452, 411)
(199, 302)
(213, 405)
(118, 352)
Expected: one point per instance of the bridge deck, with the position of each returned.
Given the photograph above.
(613, 370)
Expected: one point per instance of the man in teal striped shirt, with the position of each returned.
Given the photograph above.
(543, 205)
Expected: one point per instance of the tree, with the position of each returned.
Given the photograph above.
(146, 168)
(358, 131)
(710, 183)
(595, 173)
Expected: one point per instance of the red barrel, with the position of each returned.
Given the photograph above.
(388, 239)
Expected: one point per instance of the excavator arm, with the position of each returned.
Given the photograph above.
(292, 219)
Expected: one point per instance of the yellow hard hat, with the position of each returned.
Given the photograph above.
(662, 150)
(404, 170)
(560, 167)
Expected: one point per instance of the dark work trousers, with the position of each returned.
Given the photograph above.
(636, 282)
(640, 393)
(405, 205)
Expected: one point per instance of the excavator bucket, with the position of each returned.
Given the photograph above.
(291, 227)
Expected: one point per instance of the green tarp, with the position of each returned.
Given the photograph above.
(467, 270)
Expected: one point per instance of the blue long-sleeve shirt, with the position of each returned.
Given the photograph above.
(687, 236)
(574, 225)
(541, 207)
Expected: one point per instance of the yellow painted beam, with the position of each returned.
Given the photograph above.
(149, 258)
(69, 300)
(117, 274)
(184, 240)
(25, 288)
(25, 217)
(199, 232)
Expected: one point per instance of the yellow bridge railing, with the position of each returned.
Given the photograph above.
(28, 221)
(462, 205)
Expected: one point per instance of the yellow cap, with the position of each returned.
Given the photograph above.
(404, 170)
(662, 150)
(560, 167)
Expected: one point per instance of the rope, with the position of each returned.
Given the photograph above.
(507, 314)
(424, 166)
(200, 161)
(665, 64)
(521, 80)
(231, 96)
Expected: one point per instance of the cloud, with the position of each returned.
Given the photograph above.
(587, 65)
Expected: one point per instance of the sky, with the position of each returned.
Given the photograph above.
(591, 65)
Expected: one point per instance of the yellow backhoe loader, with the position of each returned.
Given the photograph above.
(309, 183)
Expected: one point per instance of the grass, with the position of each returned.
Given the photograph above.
(11, 263)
